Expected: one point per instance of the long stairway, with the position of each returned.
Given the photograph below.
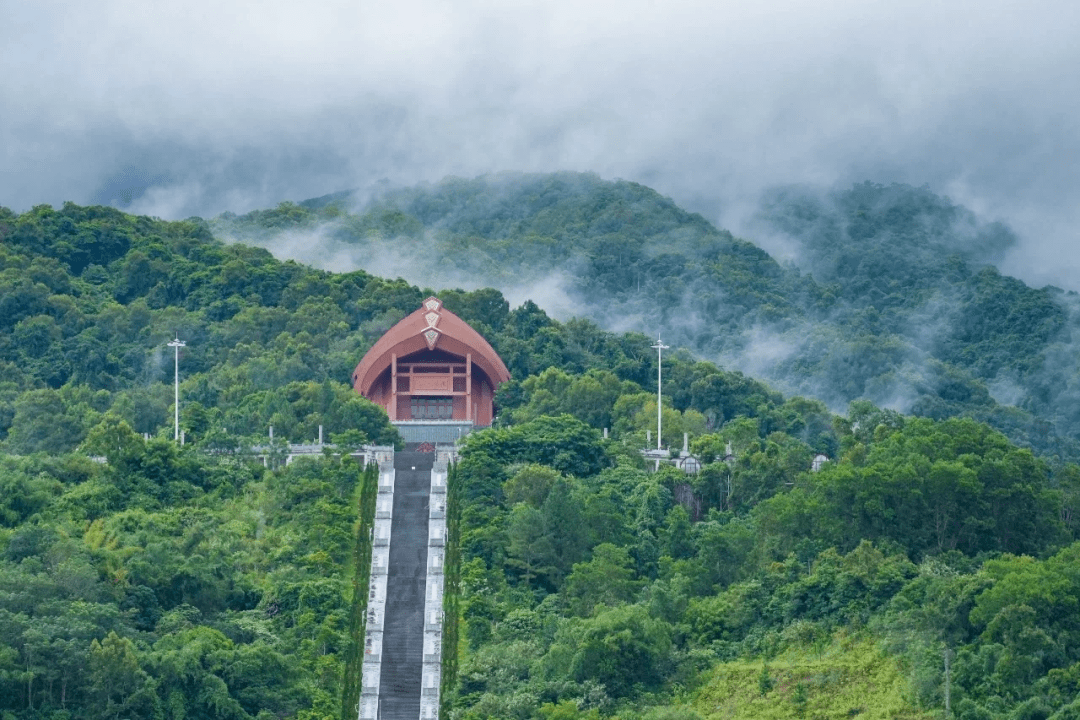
(403, 628)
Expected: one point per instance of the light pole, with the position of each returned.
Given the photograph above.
(660, 348)
(176, 344)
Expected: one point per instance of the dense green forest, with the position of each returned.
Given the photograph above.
(192, 582)
(590, 586)
(892, 295)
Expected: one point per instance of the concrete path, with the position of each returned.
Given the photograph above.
(406, 579)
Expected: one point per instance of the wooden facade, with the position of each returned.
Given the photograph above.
(432, 366)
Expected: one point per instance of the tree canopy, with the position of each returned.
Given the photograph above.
(142, 578)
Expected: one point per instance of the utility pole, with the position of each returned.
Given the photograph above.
(176, 344)
(660, 348)
(948, 681)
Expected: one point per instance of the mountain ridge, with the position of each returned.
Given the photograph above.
(895, 299)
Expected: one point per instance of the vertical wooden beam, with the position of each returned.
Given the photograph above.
(468, 386)
(393, 386)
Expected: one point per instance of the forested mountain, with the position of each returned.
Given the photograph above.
(893, 298)
(192, 582)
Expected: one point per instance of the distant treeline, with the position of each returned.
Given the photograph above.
(893, 296)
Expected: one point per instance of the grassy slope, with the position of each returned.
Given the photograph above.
(850, 678)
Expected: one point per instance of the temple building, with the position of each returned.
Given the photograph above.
(434, 374)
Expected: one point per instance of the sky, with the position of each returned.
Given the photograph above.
(177, 109)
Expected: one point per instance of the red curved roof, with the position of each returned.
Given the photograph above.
(430, 327)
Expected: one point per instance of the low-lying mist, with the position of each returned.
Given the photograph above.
(887, 293)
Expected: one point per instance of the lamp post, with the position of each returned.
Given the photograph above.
(176, 344)
(660, 348)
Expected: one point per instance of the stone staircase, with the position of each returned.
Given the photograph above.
(401, 680)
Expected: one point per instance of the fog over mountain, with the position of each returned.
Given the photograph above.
(198, 108)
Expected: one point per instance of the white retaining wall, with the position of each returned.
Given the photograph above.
(376, 608)
(433, 604)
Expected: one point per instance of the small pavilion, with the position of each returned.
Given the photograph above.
(434, 374)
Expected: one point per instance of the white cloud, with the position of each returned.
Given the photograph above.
(242, 104)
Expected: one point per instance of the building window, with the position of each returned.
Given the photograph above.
(432, 408)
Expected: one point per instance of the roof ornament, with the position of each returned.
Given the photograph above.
(432, 319)
(433, 304)
(432, 337)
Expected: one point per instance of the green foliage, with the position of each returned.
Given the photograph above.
(621, 648)
(91, 295)
(360, 564)
(765, 682)
(847, 678)
(774, 559)
(202, 588)
(606, 579)
(930, 486)
(185, 582)
(451, 639)
(531, 484)
(564, 443)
